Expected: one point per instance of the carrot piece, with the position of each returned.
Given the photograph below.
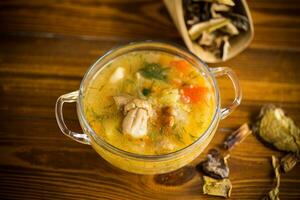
(193, 94)
(181, 66)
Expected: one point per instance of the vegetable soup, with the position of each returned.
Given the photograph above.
(149, 103)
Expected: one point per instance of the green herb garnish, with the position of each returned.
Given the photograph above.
(119, 130)
(146, 91)
(153, 135)
(154, 71)
(193, 137)
(101, 87)
(178, 136)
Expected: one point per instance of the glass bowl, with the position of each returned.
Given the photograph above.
(147, 164)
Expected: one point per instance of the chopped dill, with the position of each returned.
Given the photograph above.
(192, 75)
(101, 117)
(101, 87)
(193, 137)
(118, 130)
(109, 106)
(146, 92)
(153, 135)
(156, 152)
(200, 123)
(154, 71)
(179, 137)
(93, 88)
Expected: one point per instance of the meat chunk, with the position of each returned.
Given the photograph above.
(135, 123)
(137, 113)
(121, 101)
(168, 118)
(139, 103)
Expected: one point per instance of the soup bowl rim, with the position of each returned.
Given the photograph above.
(115, 150)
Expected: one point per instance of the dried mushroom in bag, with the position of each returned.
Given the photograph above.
(274, 127)
(216, 8)
(217, 18)
(209, 26)
(216, 187)
(225, 46)
(240, 21)
(226, 2)
(207, 39)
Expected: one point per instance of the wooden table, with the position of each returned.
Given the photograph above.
(45, 49)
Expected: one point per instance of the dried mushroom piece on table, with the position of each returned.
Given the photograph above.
(216, 187)
(215, 165)
(274, 193)
(237, 136)
(212, 23)
(288, 162)
(274, 127)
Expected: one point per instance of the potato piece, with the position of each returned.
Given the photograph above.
(117, 75)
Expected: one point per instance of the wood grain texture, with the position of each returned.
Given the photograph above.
(45, 49)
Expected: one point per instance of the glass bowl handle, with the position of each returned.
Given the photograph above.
(68, 98)
(220, 71)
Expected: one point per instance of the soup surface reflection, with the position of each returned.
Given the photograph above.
(149, 103)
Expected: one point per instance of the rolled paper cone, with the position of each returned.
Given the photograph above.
(237, 44)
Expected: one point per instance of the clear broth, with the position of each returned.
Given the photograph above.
(182, 86)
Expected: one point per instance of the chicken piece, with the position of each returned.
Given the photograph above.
(138, 103)
(121, 101)
(135, 123)
(137, 112)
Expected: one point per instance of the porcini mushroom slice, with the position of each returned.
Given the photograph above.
(225, 49)
(207, 39)
(215, 7)
(231, 29)
(215, 165)
(213, 24)
(217, 187)
(226, 2)
(274, 127)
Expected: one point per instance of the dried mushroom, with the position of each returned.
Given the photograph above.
(226, 2)
(274, 193)
(237, 136)
(225, 49)
(211, 20)
(216, 8)
(288, 162)
(207, 39)
(240, 21)
(209, 26)
(216, 187)
(168, 116)
(230, 29)
(274, 127)
(215, 165)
